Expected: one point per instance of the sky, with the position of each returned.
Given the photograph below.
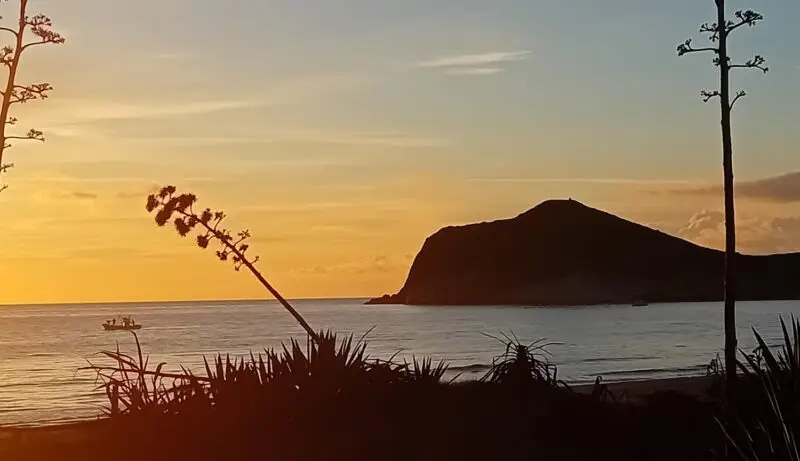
(343, 133)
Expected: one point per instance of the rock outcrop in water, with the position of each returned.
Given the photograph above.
(564, 253)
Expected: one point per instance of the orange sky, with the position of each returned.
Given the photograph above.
(341, 144)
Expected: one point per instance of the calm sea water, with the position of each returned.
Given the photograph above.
(41, 347)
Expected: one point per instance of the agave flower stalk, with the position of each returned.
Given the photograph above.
(27, 32)
(719, 33)
(178, 208)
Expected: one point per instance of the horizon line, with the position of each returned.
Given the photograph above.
(176, 301)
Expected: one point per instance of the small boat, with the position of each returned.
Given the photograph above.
(639, 304)
(125, 323)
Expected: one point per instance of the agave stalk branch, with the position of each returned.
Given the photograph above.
(167, 204)
(240, 256)
(11, 93)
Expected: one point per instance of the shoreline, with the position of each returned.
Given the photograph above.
(632, 390)
(690, 386)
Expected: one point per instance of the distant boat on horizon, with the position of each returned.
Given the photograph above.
(640, 304)
(125, 323)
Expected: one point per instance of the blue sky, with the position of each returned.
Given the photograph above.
(371, 123)
(608, 76)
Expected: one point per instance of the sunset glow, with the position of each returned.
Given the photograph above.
(343, 133)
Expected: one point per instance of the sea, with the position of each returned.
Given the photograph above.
(43, 348)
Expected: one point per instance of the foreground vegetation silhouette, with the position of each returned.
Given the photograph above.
(327, 399)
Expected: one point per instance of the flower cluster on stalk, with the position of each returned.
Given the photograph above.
(169, 206)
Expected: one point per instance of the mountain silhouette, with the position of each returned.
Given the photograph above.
(562, 252)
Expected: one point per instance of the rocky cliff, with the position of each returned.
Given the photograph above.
(564, 253)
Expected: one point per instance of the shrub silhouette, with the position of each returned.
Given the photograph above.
(768, 400)
(326, 368)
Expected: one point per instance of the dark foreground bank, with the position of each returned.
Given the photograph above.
(639, 420)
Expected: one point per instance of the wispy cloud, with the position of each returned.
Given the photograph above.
(481, 64)
(399, 140)
(783, 188)
(60, 196)
(473, 60)
(379, 264)
(755, 234)
(476, 71)
(643, 181)
(71, 111)
(123, 111)
(76, 195)
(167, 56)
(372, 139)
(89, 195)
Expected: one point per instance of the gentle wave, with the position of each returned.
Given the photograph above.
(41, 347)
(475, 367)
(634, 358)
(46, 384)
(656, 371)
